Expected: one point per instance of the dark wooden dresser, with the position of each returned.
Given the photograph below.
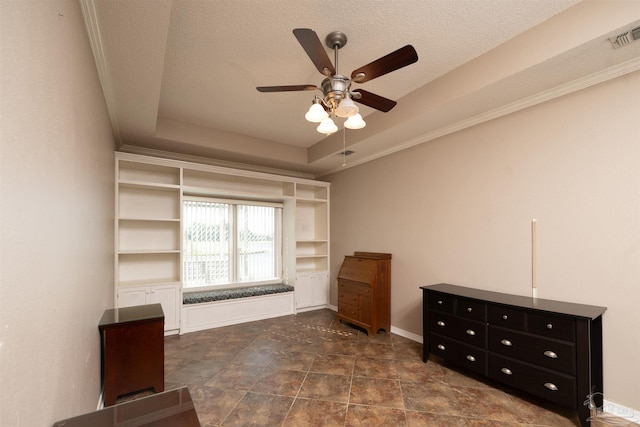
(364, 291)
(550, 349)
(132, 350)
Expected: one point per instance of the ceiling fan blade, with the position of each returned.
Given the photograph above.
(374, 101)
(311, 44)
(400, 58)
(291, 88)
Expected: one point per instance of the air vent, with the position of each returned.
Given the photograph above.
(346, 153)
(625, 38)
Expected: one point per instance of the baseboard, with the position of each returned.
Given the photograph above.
(100, 399)
(406, 334)
(621, 414)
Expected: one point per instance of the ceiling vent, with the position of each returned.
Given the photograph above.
(625, 38)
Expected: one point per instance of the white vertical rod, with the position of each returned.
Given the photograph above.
(534, 258)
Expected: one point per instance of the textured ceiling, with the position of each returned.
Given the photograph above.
(180, 76)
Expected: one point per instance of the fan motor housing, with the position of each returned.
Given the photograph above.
(334, 89)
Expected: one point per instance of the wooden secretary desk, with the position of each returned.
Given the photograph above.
(364, 291)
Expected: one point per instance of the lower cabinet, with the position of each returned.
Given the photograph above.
(167, 295)
(312, 289)
(550, 349)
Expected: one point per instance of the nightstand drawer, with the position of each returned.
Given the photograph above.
(549, 385)
(551, 326)
(467, 331)
(470, 357)
(506, 317)
(552, 354)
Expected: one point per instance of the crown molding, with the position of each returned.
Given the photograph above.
(152, 152)
(92, 25)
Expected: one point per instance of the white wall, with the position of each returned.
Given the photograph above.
(56, 229)
(459, 210)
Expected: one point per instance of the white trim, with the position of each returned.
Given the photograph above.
(100, 399)
(619, 411)
(406, 334)
(92, 24)
(244, 202)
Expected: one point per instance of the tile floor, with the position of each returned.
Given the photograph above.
(310, 370)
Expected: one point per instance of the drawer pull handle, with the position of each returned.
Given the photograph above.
(551, 386)
(441, 347)
(439, 302)
(469, 309)
(505, 317)
(471, 332)
(440, 323)
(549, 326)
(470, 358)
(550, 354)
(506, 342)
(507, 371)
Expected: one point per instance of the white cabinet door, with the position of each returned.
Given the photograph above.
(312, 289)
(319, 288)
(303, 290)
(168, 297)
(128, 297)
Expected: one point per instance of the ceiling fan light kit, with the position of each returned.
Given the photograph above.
(316, 112)
(327, 126)
(337, 99)
(346, 108)
(355, 122)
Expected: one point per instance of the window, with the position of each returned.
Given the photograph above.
(227, 242)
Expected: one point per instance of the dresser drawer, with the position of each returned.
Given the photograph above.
(547, 353)
(506, 317)
(470, 357)
(441, 302)
(468, 331)
(552, 386)
(551, 326)
(471, 309)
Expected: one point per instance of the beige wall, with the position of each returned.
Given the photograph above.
(459, 210)
(56, 209)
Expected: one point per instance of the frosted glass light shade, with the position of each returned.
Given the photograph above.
(327, 126)
(316, 114)
(355, 122)
(346, 108)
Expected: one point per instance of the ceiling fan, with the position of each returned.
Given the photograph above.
(336, 89)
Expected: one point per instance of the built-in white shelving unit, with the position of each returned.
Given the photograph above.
(149, 195)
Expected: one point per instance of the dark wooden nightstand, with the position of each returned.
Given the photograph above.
(132, 341)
